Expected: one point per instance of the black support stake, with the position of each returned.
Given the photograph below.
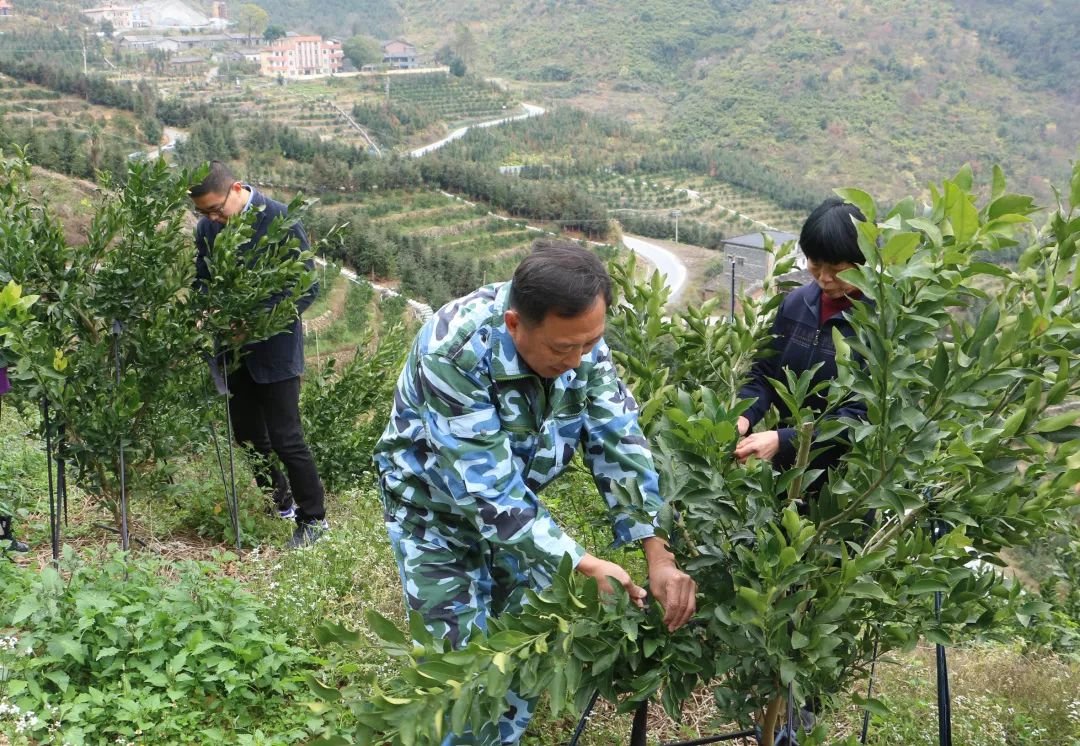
(54, 518)
(234, 502)
(870, 690)
(584, 719)
(943, 695)
(125, 538)
(641, 725)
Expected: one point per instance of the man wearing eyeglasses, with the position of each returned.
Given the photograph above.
(265, 388)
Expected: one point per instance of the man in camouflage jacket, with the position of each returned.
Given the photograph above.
(499, 391)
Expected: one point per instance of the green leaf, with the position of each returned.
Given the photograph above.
(997, 184)
(754, 598)
(962, 215)
(331, 632)
(927, 227)
(1056, 422)
(964, 177)
(926, 585)
(557, 690)
(1074, 191)
(869, 590)
(321, 690)
(900, 247)
(799, 640)
(939, 373)
(384, 629)
(61, 679)
(938, 636)
(860, 199)
(1010, 204)
(787, 672)
(873, 704)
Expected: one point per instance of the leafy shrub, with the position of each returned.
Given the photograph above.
(344, 410)
(793, 597)
(114, 649)
(128, 293)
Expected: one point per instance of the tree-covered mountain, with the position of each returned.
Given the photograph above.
(883, 93)
(337, 18)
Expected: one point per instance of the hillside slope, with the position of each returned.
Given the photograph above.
(885, 94)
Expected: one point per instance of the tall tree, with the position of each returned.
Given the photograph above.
(274, 32)
(362, 50)
(252, 19)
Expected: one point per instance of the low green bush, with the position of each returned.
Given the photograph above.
(115, 649)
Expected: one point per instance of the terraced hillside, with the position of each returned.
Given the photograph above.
(432, 246)
(359, 110)
(43, 110)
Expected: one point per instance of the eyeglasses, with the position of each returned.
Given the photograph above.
(216, 209)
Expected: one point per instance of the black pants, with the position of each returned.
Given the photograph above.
(266, 419)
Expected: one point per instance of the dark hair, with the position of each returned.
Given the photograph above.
(829, 236)
(558, 277)
(218, 181)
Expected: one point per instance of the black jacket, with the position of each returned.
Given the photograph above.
(282, 356)
(798, 344)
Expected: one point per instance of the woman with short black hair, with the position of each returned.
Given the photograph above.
(802, 335)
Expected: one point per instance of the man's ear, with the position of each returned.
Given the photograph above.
(512, 319)
(238, 186)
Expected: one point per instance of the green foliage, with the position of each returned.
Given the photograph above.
(337, 17)
(1030, 35)
(128, 292)
(362, 50)
(115, 650)
(795, 592)
(568, 642)
(344, 411)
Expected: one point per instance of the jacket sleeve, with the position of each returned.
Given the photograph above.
(475, 461)
(766, 366)
(616, 450)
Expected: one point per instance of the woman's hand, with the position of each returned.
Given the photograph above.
(743, 425)
(763, 445)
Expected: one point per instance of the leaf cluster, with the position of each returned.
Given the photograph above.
(115, 649)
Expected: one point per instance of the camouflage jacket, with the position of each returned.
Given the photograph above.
(474, 435)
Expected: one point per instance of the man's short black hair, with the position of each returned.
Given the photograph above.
(218, 181)
(559, 277)
(829, 236)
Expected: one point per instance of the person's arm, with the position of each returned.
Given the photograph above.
(616, 450)
(475, 463)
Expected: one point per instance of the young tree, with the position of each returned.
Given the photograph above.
(126, 297)
(961, 364)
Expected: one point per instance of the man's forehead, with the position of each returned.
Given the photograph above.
(575, 331)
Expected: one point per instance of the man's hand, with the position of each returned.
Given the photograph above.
(673, 588)
(763, 445)
(743, 425)
(594, 567)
